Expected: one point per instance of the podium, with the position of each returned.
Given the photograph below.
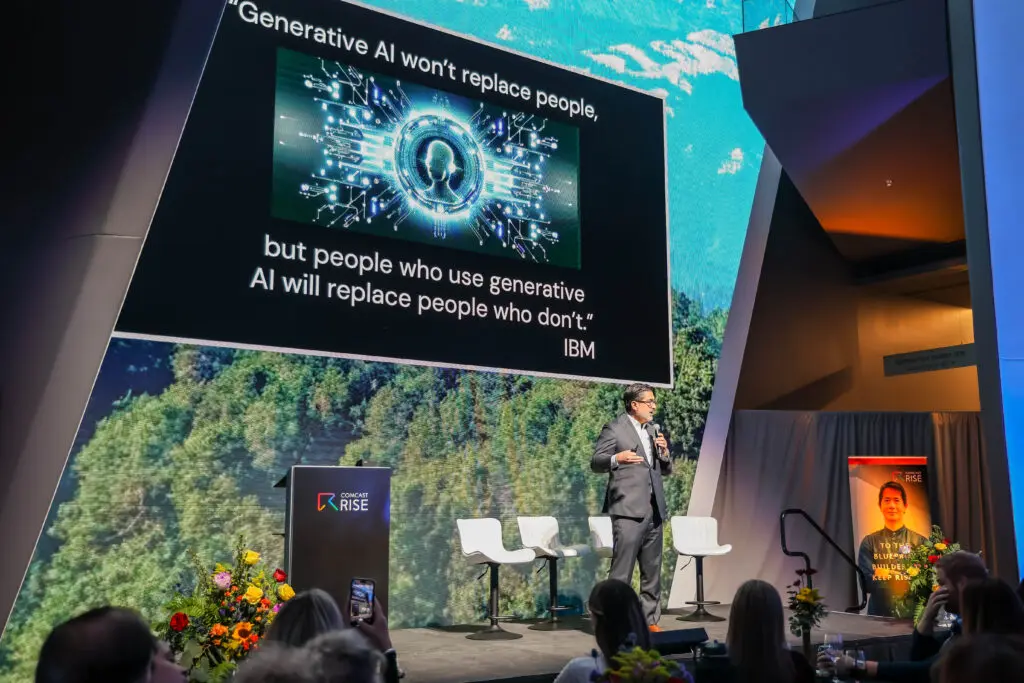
(337, 528)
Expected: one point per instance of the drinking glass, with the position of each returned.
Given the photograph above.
(834, 648)
(820, 669)
(859, 660)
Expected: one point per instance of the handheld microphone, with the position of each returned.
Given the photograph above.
(657, 430)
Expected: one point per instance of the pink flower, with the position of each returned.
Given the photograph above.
(277, 608)
(222, 580)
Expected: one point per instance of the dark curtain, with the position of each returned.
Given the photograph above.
(960, 499)
(780, 459)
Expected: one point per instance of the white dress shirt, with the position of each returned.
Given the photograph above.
(645, 438)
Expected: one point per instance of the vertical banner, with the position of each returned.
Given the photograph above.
(889, 501)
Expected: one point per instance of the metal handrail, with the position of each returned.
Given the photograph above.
(807, 560)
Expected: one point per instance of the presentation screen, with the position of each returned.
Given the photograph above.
(355, 184)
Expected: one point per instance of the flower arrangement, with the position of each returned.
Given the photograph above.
(225, 616)
(806, 607)
(919, 566)
(636, 665)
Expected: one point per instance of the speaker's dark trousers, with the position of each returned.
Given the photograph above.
(640, 539)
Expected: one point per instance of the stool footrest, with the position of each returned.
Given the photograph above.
(703, 602)
(494, 633)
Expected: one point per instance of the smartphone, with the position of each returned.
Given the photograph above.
(361, 600)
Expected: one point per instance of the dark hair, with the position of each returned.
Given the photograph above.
(757, 635)
(895, 486)
(962, 565)
(991, 606)
(617, 616)
(108, 644)
(345, 657)
(276, 663)
(309, 614)
(633, 393)
(991, 658)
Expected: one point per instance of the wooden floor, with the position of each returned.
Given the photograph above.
(447, 656)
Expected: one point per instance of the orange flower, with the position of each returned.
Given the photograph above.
(218, 630)
(258, 618)
(241, 634)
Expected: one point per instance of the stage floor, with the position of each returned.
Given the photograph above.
(447, 656)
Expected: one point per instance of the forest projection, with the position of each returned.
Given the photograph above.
(182, 445)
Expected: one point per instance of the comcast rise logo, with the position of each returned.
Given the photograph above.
(347, 501)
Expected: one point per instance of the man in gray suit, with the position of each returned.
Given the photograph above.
(635, 457)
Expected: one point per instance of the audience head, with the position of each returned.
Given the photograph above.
(345, 657)
(757, 634)
(107, 644)
(276, 663)
(617, 615)
(991, 606)
(991, 658)
(306, 616)
(957, 569)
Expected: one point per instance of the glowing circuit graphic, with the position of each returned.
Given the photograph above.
(378, 155)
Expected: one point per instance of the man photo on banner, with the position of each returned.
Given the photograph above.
(881, 553)
(634, 454)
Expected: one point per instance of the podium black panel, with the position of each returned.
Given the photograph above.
(678, 641)
(339, 523)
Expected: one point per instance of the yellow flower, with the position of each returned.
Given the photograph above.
(940, 546)
(913, 571)
(253, 595)
(285, 592)
(241, 633)
(808, 595)
(251, 557)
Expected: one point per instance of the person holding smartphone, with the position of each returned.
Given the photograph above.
(376, 631)
(313, 613)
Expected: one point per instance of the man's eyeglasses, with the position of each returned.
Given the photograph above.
(649, 402)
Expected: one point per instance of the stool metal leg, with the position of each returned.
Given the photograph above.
(701, 614)
(553, 623)
(493, 631)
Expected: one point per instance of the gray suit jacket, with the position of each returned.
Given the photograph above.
(630, 487)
